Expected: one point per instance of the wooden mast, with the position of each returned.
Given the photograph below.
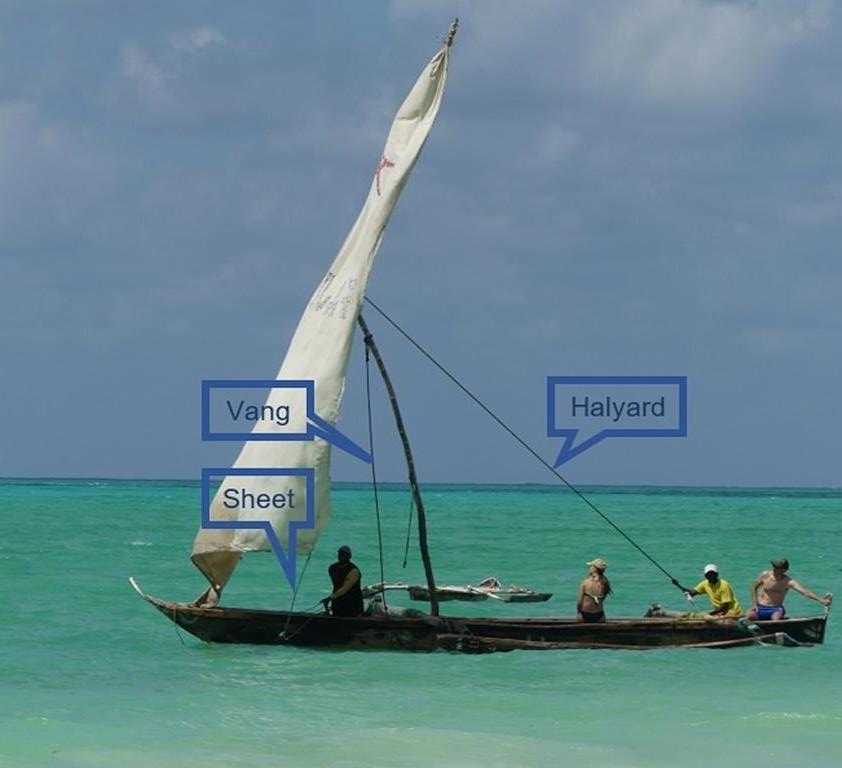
(370, 346)
(410, 465)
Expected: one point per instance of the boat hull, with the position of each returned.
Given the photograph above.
(476, 634)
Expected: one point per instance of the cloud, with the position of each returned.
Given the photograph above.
(326, 129)
(233, 278)
(699, 53)
(553, 143)
(156, 74)
(147, 77)
(197, 39)
(824, 208)
(47, 176)
(772, 341)
(696, 52)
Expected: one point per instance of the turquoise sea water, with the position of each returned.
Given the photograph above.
(92, 676)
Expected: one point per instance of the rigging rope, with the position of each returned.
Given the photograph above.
(300, 579)
(175, 622)
(295, 593)
(373, 470)
(522, 442)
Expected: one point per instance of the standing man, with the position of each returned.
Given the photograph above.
(347, 596)
(719, 591)
(776, 584)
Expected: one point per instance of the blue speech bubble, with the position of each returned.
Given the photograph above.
(570, 449)
(285, 559)
(316, 426)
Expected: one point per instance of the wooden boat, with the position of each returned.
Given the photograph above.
(318, 354)
(473, 634)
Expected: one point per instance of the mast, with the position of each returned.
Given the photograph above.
(370, 346)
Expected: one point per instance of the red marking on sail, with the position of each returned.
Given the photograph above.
(384, 163)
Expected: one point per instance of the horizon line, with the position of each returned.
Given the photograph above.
(439, 482)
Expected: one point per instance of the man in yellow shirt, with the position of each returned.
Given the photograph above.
(719, 591)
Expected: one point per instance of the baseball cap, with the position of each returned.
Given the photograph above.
(710, 567)
(781, 562)
(598, 563)
(344, 549)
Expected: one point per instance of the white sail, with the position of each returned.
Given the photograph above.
(320, 348)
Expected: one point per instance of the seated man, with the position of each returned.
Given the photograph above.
(776, 583)
(719, 591)
(347, 597)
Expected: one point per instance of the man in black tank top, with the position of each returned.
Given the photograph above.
(347, 596)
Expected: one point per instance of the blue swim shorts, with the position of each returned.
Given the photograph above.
(765, 612)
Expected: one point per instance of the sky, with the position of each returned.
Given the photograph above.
(611, 188)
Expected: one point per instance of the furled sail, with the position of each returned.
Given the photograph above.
(321, 346)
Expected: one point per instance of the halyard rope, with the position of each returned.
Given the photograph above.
(521, 441)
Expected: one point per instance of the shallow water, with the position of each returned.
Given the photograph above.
(91, 676)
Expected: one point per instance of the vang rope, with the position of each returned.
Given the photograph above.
(373, 469)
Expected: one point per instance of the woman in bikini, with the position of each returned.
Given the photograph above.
(592, 592)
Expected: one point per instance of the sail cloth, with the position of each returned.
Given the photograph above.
(321, 346)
